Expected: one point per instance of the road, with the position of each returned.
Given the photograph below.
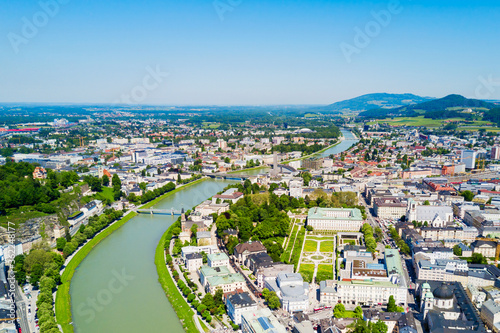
(236, 267)
(21, 311)
(405, 261)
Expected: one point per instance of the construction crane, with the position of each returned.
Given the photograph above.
(81, 140)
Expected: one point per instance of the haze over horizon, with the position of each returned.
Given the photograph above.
(243, 52)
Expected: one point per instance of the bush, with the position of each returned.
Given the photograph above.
(201, 308)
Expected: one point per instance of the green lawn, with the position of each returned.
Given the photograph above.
(63, 300)
(310, 246)
(307, 272)
(348, 314)
(298, 247)
(211, 125)
(411, 121)
(464, 125)
(321, 238)
(179, 304)
(285, 257)
(107, 193)
(326, 246)
(477, 128)
(325, 272)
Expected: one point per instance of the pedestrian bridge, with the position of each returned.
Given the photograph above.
(160, 211)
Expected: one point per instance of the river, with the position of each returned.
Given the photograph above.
(116, 288)
(349, 140)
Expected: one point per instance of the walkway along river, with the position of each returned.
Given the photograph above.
(116, 288)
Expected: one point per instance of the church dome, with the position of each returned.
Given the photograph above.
(443, 292)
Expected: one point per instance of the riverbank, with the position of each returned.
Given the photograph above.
(249, 169)
(316, 153)
(63, 298)
(165, 195)
(181, 307)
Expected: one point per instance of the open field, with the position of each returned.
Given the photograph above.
(476, 128)
(464, 125)
(326, 246)
(307, 271)
(321, 238)
(325, 272)
(106, 194)
(412, 121)
(310, 246)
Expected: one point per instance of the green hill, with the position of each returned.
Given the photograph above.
(374, 101)
(441, 108)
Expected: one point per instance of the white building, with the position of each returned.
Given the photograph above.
(468, 158)
(490, 313)
(239, 303)
(193, 261)
(292, 291)
(339, 219)
(218, 259)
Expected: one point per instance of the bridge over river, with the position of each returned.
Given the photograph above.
(160, 211)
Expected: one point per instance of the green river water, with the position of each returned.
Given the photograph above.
(115, 288)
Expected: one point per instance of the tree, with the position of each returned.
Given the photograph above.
(117, 186)
(468, 195)
(457, 251)
(427, 203)
(208, 301)
(105, 180)
(339, 310)
(306, 176)
(194, 230)
(379, 327)
(273, 301)
(358, 312)
(94, 183)
(477, 258)
(391, 305)
(60, 243)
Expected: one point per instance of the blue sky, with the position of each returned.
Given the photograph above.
(245, 52)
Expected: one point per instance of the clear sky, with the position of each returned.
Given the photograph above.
(245, 52)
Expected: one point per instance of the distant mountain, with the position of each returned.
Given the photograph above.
(447, 103)
(375, 101)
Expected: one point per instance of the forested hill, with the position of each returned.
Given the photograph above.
(18, 188)
(375, 101)
(437, 105)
